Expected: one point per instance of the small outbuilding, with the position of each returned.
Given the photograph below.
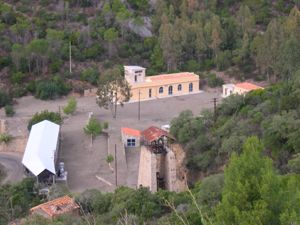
(240, 88)
(41, 151)
(227, 90)
(56, 207)
(131, 137)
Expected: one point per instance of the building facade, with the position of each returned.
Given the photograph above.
(130, 137)
(240, 88)
(159, 86)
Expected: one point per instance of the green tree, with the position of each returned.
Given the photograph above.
(5, 99)
(71, 106)
(251, 193)
(9, 111)
(113, 89)
(245, 19)
(93, 128)
(111, 36)
(37, 51)
(109, 159)
(44, 115)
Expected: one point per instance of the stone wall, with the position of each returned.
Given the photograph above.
(90, 92)
(2, 126)
(170, 171)
(147, 170)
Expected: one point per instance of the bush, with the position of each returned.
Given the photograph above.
(50, 89)
(214, 81)
(5, 99)
(4, 61)
(56, 65)
(223, 60)
(71, 106)
(44, 115)
(90, 75)
(19, 91)
(5, 138)
(31, 87)
(93, 52)
(9, 111)
(192, 66)
(17, 77)
(105, 125)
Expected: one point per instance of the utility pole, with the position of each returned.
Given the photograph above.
(116, 168)
(70, 56)
(215, 109)
(139, 110)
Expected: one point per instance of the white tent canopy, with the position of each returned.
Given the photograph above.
(41, 148)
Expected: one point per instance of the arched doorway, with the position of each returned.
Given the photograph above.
(170, 90)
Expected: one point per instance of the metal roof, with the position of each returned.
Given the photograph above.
(154, 133)
(41, 146)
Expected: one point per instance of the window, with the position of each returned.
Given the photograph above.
(170, 90)
(130, 142)
(150, 93)
(191, 87)
(161, 90)
(179, 88)
(135, 78)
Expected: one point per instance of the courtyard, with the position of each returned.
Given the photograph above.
(86, 165)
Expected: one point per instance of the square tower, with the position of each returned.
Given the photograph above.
(134, 74)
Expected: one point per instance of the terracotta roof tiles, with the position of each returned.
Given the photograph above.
(248, 86)
(56, 207)
(132, 132)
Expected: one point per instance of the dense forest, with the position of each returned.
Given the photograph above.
(247, 39)
(249, 150)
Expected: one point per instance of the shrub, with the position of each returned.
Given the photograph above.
(5, 99)
(105, 125)
(56, 65)
(50, 89)
(31, 86)
(214, 81)
(19, 91)
(223, 60)
(93, 52)
(71, 106)
(90, 75)
(9, 110)
(109, 158)
(17, 77)
(5, 138)
(4, 61)
(192, 66)
(44, 115)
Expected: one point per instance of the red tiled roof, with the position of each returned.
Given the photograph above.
(171, 76)
(248, 86)
(57, 206)
(154, 133)
(132, 132)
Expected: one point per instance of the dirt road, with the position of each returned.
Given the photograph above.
(13, 166)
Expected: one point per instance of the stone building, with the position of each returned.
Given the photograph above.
(159, 86)
(240, 88)
(157, 168)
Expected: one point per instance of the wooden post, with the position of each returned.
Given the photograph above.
(116, 168)
(215, 109)
(139, 110)
(70, 56)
